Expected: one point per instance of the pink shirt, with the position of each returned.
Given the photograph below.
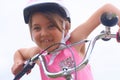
(64, 58)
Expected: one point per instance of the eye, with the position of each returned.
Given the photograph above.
(36, 28)
(51, 26)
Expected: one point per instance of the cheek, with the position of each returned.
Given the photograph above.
(35, 37)
(58, 36)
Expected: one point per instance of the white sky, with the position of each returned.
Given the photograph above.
(15, 34)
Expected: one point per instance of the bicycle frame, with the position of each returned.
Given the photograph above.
(109, 21)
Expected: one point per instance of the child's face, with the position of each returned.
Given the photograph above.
(43, 32)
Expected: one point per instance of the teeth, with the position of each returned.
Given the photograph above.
(46, 40)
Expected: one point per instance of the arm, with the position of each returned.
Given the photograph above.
(83, 30)
(87, 27)
(21, 56)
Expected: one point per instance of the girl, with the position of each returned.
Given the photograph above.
(49, 23)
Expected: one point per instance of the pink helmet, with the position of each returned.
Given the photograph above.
(46, 6)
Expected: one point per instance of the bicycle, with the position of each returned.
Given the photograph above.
(107, 19)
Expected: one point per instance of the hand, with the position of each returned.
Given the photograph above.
(17, 67)
(118, 36)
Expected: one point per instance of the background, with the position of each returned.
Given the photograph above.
(14, 34)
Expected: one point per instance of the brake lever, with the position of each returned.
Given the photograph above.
(27, 67)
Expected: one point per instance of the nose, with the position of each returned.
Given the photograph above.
(43, 32)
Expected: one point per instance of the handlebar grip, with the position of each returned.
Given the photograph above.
(118, 37)
(28, 66)
(109, 19)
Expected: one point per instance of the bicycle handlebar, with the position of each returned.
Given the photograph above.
(67, 71)
(28, 66)
(107, 19)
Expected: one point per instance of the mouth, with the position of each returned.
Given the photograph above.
(46, 41)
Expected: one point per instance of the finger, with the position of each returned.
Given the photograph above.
(17, 67)
(28, 72)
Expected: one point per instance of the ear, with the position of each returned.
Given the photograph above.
(67, 26)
